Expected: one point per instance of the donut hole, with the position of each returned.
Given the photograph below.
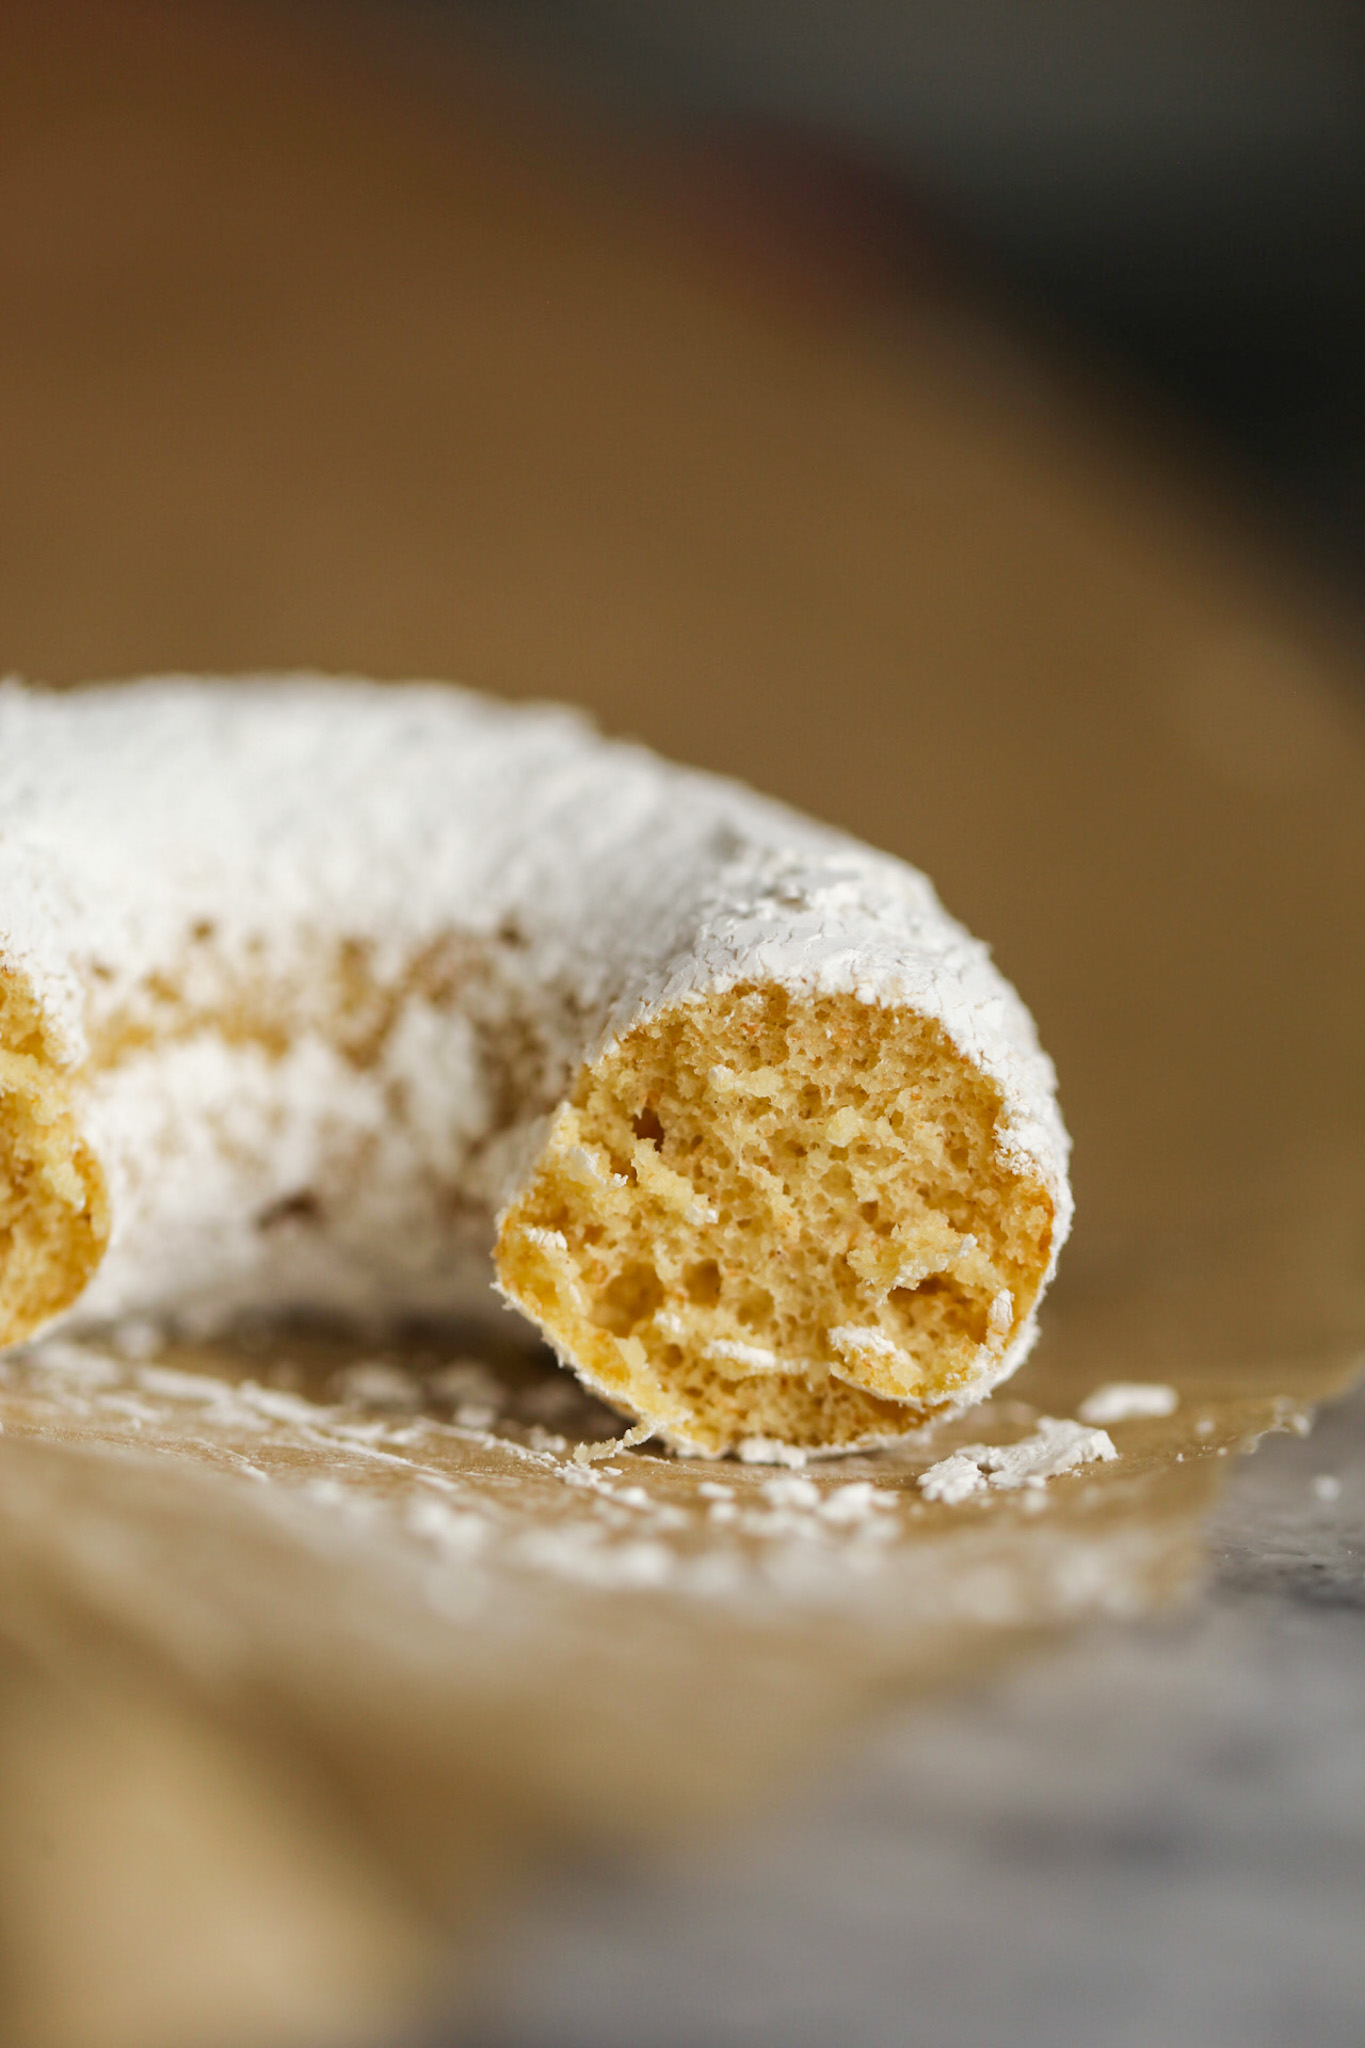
(836, 1245)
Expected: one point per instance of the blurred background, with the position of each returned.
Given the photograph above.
(1173, 194)
(950, 418)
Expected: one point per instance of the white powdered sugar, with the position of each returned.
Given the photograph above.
(1128, 1401)
(170, 849)
(1055, 1447)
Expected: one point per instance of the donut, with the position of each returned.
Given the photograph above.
(319, 995)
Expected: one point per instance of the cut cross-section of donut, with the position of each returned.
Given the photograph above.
(783, 1215)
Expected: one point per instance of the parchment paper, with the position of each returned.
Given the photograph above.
(308, 1647)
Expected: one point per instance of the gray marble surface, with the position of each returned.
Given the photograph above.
(1153, 1837)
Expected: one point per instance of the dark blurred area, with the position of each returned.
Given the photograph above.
(1176, 188)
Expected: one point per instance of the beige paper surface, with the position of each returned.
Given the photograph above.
(311, 1647)
(305, 364)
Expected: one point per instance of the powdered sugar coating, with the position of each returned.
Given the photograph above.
(218, 837)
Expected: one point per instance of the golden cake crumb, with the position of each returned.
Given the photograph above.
(767, 1215)
(53, 1211)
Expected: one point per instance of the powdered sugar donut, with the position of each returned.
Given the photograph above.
(313, 993)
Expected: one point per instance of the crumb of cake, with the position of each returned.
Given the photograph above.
(763, 1215)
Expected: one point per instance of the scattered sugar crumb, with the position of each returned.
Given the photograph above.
(78, 1361)
(1128, 1400)
(279, 1406)
(1327, 1487)
(575, 1552)
(378, 1385)
(1054, 1448)
(952, 1479)
(854, 1502)
(456, 1529)
(475, 1415)
(766, 1450)
(180, 1386)
(137, 1340)
(329, 1493)
(792, 1493)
